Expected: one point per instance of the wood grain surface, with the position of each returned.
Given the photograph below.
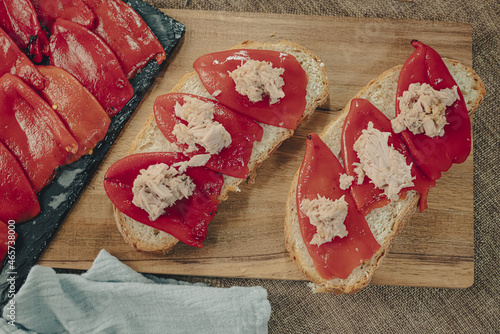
(246, 237)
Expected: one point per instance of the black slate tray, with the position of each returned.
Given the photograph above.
(57, 198)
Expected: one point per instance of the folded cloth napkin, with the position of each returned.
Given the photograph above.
(112, 298)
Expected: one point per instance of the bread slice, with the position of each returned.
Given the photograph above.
(150, 139)
(386, 222)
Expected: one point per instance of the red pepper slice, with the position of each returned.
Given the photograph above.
(5, 237)
(435, 155)
(366, 195)
(213, 71)
(18, 201)
(72, 10)
(32, 131)
(83, 54)
(126, 33)
(14, 61)
(18, 18)
(319, 175)
(76, 107)
(232, 160)
(187, 220)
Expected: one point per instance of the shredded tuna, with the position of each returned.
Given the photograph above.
(422, 109)
(382, 164)
(360, 173)
(328, 216)
(195, 161)
(159, 187)
(345, 181)
(256, 79)
(201, 128)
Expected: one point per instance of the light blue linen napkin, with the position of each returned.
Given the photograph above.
(112, 298)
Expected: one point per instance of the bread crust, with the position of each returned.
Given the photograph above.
(403, 209)
(147, 239)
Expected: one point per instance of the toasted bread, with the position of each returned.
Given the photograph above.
(386, 222)
(150, 139)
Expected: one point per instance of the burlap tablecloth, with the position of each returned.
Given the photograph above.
(377, 309)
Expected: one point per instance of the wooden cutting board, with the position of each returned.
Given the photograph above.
(246, 237)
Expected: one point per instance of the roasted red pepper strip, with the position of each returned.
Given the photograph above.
(366, 195)
(319, 175)
(18, 201)
(435, 155)
(6, 239)
(83, 54)
(72, 10)
(232, 160)
(14, 61)
(77, 108)
(32, 131)
(187, 219)
(133, 43)
(213, 72)
(18, 18)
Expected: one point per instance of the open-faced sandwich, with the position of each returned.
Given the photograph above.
(209, 134)
(371, 168)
